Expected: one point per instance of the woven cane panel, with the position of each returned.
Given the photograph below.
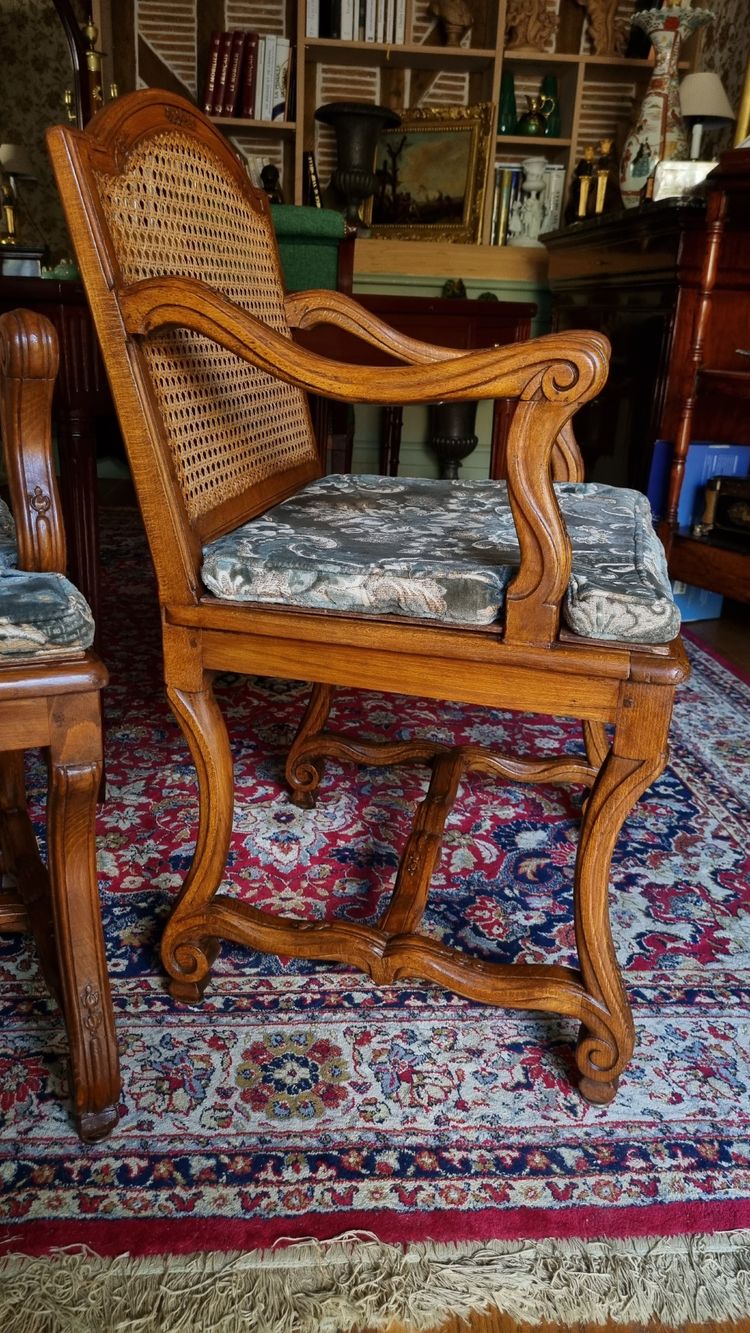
(177, 211)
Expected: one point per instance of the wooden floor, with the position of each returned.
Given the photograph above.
(730, 638)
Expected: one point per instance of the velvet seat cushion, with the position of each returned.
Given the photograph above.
(445, 550)
(40, 614)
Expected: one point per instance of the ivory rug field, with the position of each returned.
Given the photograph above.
(302, 1101)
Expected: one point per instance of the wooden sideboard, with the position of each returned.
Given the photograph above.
(714, 372)
(632, 275)
(669, 283)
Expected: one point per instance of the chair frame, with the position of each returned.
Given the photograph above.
(53, 701)
(530, 663)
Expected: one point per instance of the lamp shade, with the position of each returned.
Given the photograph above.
(15, 161)
(702, 98)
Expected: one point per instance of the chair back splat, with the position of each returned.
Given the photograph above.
(543, 595)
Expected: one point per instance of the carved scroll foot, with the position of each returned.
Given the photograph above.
(304, 769)
(599, 1094)
(190, 969)
(188, 949)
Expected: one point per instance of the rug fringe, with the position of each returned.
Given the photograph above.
(330, 1287)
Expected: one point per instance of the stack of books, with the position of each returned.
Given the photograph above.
(508, 177)
(247, 76)
(357, 20)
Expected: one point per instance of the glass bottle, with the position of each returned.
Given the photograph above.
(508, 116)
(552, 117)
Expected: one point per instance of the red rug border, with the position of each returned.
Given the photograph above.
(139, 1237)
(710, 651)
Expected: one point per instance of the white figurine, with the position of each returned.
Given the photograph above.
(528, 213)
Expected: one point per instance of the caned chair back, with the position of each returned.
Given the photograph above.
(162, 195)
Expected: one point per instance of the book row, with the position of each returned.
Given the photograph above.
(248, 76)
(357, 20)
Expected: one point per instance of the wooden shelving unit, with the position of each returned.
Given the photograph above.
(596, 92)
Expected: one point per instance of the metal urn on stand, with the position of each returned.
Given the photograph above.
(357, 126)
(452, 435)
(659, 132)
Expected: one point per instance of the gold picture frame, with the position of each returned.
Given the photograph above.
(432, 174)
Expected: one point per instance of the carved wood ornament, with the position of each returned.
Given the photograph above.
(529, 23)
(608, 33)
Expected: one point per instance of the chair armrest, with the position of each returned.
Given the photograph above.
(306, 310)
(550, 377)
(28, 368)
(567, 369)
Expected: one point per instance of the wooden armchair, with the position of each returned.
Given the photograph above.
(50, 696)
(458, 590)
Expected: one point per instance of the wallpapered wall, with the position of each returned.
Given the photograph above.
(36, 71)
(727, 44)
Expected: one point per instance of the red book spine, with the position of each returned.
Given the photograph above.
(233, 75)
(225, 50)
(250, 72)
(211, 69)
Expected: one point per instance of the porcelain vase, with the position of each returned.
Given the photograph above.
(659, 132)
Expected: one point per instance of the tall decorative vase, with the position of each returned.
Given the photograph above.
(659, 132)
(357, 126)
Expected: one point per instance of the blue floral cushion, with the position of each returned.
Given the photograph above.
(445, 550)
(40, 614)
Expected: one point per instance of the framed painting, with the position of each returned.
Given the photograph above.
(431, 174)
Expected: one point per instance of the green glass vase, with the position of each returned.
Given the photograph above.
(508, 116)
(553, 128)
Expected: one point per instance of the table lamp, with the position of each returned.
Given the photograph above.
(704, 104)
(15, 165)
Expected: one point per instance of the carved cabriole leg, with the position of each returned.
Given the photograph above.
(304, 770)
(637, 757)
(188, 945)
(75, 774)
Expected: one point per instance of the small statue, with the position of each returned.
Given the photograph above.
(606, 173)
(529, 23)
(528, 212)
(454, 288)
(455, 16)
(269, 178)
(608, 34)
(580, 185)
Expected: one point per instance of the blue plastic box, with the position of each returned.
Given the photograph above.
(703, 462)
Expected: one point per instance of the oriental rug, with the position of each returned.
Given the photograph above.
(437, 1144)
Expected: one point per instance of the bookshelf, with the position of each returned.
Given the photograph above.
(597, 93)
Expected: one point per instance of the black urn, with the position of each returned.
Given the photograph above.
(357, 126)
